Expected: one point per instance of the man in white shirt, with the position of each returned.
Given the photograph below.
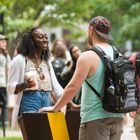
(4, 66)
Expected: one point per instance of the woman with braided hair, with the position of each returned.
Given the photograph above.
(33, 55)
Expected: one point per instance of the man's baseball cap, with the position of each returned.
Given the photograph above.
(102, 26)
(2, 37)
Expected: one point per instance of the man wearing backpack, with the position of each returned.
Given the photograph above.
(136, 114)
(96, 123)
(4, 66)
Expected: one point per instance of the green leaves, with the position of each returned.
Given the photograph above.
(5, 2)
(20, 15)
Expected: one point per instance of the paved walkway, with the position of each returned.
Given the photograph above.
(129, 136)
(125, 136)
(11, 134)
(129, 133)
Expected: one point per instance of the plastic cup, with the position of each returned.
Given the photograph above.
(33, 76)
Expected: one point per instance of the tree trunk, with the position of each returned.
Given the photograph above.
(13, 44)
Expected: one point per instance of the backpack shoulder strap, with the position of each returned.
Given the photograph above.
(116, 52)
(101, 53)
(94, 90)
(105, 58)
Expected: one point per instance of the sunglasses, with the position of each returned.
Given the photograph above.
(41, 75)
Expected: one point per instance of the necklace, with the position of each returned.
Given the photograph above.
(36, 58)
(39, 70)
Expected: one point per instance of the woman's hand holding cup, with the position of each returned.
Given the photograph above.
(30, 83)
(32, 80)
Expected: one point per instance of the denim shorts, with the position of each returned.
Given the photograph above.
(32, 101)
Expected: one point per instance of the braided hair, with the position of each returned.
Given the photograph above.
(27, 47)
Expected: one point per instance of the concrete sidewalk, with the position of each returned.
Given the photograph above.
(129, 133)
(125, 136)
(11, 133)
(129, 136)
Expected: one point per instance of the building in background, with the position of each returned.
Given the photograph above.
(61, 32)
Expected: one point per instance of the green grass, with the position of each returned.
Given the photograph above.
(9, 129)
(11, 138)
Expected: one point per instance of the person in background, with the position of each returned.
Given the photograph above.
(136, 114)
(59, 63)
(4, 67)
(87, 47)
(59, 42)
(96, 123)
(69, 70)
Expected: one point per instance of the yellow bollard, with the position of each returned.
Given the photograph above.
(58, 126)
(45, 126)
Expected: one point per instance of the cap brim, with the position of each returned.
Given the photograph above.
(107, 36)
(3, 38)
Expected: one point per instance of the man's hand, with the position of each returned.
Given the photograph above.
(72, 105)
(46, 109)
(75, 106)
(132, 114)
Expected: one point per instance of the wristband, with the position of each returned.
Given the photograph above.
(25, 84)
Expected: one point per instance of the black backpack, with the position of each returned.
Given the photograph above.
(122, 74)
(138, 63)
(58, 65)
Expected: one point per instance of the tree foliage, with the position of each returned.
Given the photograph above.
(5, 2)
(20, 15)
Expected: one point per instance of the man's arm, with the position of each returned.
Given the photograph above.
(133, 59)
(132, 114)
(82, 70)
(63, 109)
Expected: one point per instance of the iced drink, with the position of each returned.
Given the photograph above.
(33, 76)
